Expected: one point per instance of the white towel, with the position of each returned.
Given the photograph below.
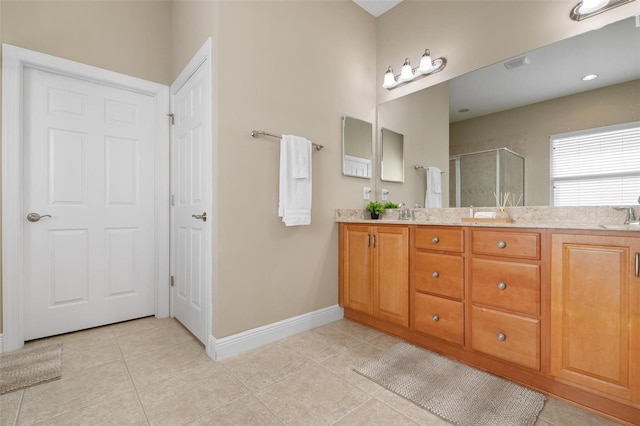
(294, 206)
(433, 197)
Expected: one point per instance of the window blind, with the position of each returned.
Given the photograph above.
(596, 167)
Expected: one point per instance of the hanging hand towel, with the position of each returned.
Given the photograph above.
(433, 197)
(294, 206)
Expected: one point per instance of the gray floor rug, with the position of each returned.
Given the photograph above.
(30, 366)
(458, 393)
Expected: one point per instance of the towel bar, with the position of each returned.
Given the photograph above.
(256, 133)
(418, 167)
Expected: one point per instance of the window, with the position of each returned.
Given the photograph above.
(596, 167)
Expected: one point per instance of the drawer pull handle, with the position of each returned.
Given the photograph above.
(501, 285)
(435, 318)
(435, 240)
(501, 244)
(637, 264)
(501, 337)
(435, 274)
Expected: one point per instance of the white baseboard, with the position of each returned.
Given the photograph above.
(226, 347)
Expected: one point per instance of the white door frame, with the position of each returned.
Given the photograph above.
(15, 60)
(202, 59)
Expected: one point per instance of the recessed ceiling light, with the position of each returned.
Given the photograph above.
(589, 77)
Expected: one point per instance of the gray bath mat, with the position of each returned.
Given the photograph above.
(30, 366)
(458, 393)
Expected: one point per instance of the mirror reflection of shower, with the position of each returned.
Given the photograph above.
(476, 177)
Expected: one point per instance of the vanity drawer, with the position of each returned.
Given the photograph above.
(508, 285)
(523, 245)
(441, 274)
(439, 317)
(507, 336)
(436, 238)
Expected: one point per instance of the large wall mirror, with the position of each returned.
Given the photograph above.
(356, 148)
(391, 156)
(518, 103)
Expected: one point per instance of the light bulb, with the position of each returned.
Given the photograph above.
(589, 6)
(426, 64)
(389, 79)
(406, 74)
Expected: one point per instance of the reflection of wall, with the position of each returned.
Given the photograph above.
(526, 130)
(392, 163)
(359, 134)
(422, 118)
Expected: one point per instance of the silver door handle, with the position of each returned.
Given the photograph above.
(202, 216)
(35, 217)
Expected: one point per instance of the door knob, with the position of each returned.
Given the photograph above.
(202, 216)
(35, 217)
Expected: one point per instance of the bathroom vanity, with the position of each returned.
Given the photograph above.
(551, 306)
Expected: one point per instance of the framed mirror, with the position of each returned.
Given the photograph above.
(391, 156)
(357, 154)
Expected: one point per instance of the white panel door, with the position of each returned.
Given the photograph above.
(191, 202)
(89, 164)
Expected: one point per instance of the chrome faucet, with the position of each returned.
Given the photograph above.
(404, 212)
(631, 216)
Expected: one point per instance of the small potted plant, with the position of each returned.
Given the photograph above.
(375, 208)
(388, 207)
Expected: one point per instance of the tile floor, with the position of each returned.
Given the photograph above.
(152, 371)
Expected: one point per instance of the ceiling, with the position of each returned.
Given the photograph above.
(377, 7)
(612, 52)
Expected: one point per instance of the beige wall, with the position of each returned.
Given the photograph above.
(473, 34)
(292, 67)
(526, 130)
(423, 119)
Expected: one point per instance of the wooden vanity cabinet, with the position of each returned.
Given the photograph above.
(374, 276)
(595, 312)
(504, 285)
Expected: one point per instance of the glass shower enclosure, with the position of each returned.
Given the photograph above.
(476, 178)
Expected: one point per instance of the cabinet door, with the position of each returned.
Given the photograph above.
(595, 313)
(357, 290)
(391, 276)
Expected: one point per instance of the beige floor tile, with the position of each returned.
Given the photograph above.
(320, 343)
(266, 365)
(92, 336)
(343, 363)
(9, 405)
(154, 366)
(411, 410)
(384, 341)
(152, 340)
(74, 390)
(375, 412)
(79, 357)
(190, 395)
(141, 325)
(312, 397)
(559, 413)
(122, 410)
(245, 411)
(356, 330)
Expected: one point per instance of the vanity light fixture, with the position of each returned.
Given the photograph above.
(589, 77)
(588, 8)
(427, 67)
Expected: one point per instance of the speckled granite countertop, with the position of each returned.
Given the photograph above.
(580, 218)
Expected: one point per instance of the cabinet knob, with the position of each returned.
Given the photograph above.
(435, 318)
(435, 240)
(501, 244)
(502, 285)
(435, 274)
(501, 337)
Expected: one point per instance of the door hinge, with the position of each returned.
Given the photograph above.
(172, 118)
(171, 281)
